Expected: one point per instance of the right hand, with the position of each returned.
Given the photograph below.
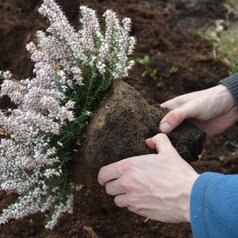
(212, 110)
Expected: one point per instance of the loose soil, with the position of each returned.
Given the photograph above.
(167, 32)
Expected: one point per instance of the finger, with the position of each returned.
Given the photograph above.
(150, 143)
(121, 201)
(172, 119)
(163, 143)
(175, 102)
(113, 188)
(110, 172)
(170, 104)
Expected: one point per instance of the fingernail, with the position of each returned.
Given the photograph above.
(165, 127)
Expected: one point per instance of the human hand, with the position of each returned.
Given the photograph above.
(156, 186)
(212, 110)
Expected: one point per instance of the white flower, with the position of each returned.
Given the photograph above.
(67, 64)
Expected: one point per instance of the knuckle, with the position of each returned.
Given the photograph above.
(161, 136)
(124, 183)
(128, 165)
(132, 163)
(175, 116)
(132, 202)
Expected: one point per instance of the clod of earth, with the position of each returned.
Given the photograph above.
(118, 130)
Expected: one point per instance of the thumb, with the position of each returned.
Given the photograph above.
(162, 143)
(171, 120)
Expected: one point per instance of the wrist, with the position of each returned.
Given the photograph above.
(222, 102)
(226, 94)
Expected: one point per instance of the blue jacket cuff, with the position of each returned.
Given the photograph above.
(198, 204)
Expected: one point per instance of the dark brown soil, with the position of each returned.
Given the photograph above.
(165, 30)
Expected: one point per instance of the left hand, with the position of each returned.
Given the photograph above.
(156, 186)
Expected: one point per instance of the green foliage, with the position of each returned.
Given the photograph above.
(231, 143)
(231, 7)
(149, 71)
(86, 98)
(224, 37)
(174, 69)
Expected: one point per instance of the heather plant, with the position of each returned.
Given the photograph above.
(73, 69)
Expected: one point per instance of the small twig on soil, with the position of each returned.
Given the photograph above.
(146, 220)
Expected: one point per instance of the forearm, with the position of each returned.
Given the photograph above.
(214, 206)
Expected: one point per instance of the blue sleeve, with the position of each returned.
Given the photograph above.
(214, 206)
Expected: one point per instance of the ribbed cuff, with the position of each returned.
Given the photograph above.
(231, 83)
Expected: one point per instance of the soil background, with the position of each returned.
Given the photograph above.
(167, 31)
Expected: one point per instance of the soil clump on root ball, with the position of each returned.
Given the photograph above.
(119, 128)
